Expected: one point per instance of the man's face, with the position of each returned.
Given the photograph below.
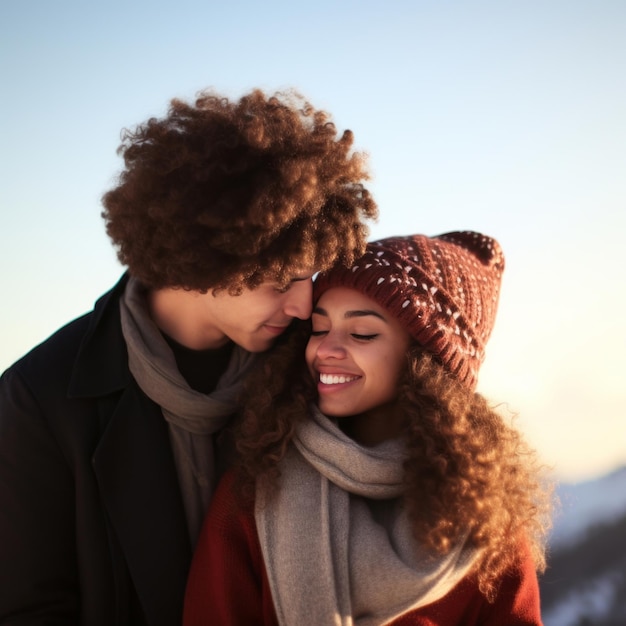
(256, 317)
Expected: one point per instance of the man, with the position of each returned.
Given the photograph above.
(112, 432)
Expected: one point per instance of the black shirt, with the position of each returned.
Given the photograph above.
(201, 369)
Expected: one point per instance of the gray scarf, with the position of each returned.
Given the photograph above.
(193, 417)
(336, 540)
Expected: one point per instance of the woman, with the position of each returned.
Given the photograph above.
(376, 486)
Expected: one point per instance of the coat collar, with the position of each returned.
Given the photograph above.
(101, 366)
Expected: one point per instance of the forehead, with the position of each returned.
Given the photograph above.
(292, 275)
(346, 299)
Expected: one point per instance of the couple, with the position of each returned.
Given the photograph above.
(362, 479)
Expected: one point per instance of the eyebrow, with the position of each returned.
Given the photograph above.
(351, 314)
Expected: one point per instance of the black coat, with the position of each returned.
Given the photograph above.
(92, 526)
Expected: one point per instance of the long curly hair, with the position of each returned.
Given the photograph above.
(467, 470)
(224, 194)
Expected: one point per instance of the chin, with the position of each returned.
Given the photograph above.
(257, 345)
(329, 411)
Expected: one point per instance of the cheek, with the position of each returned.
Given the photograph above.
(267, 307)
(394, 367)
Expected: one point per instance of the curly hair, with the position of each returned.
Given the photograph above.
(467, 470)
(470, 471)
(276, 396)
(225, 194)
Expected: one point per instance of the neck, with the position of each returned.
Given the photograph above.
(373, 427)
(183, 316)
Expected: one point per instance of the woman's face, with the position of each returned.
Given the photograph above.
(356, 353)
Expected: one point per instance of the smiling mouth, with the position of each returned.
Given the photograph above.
(336, 379)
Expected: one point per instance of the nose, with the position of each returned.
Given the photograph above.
(299, 302)
(329, 346)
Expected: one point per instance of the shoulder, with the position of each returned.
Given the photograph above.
(518, 600)
(47, 368)
(516, 603)
(57, 349)
(228, 533)
(229, 525)
(228, 510)
(45, 371)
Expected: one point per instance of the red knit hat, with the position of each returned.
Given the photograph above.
(444, 290)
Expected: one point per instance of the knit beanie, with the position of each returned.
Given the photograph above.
(444, 290)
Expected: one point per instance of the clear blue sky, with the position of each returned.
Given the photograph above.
(503, 117)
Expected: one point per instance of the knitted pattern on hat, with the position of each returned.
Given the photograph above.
(444, 290)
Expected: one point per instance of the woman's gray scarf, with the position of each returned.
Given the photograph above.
(335, 538)
(193, 417)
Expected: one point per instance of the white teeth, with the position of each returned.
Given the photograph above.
(335, 379)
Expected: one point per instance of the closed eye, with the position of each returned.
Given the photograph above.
(358, 337)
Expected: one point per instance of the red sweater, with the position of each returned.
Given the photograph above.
(228, 584)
